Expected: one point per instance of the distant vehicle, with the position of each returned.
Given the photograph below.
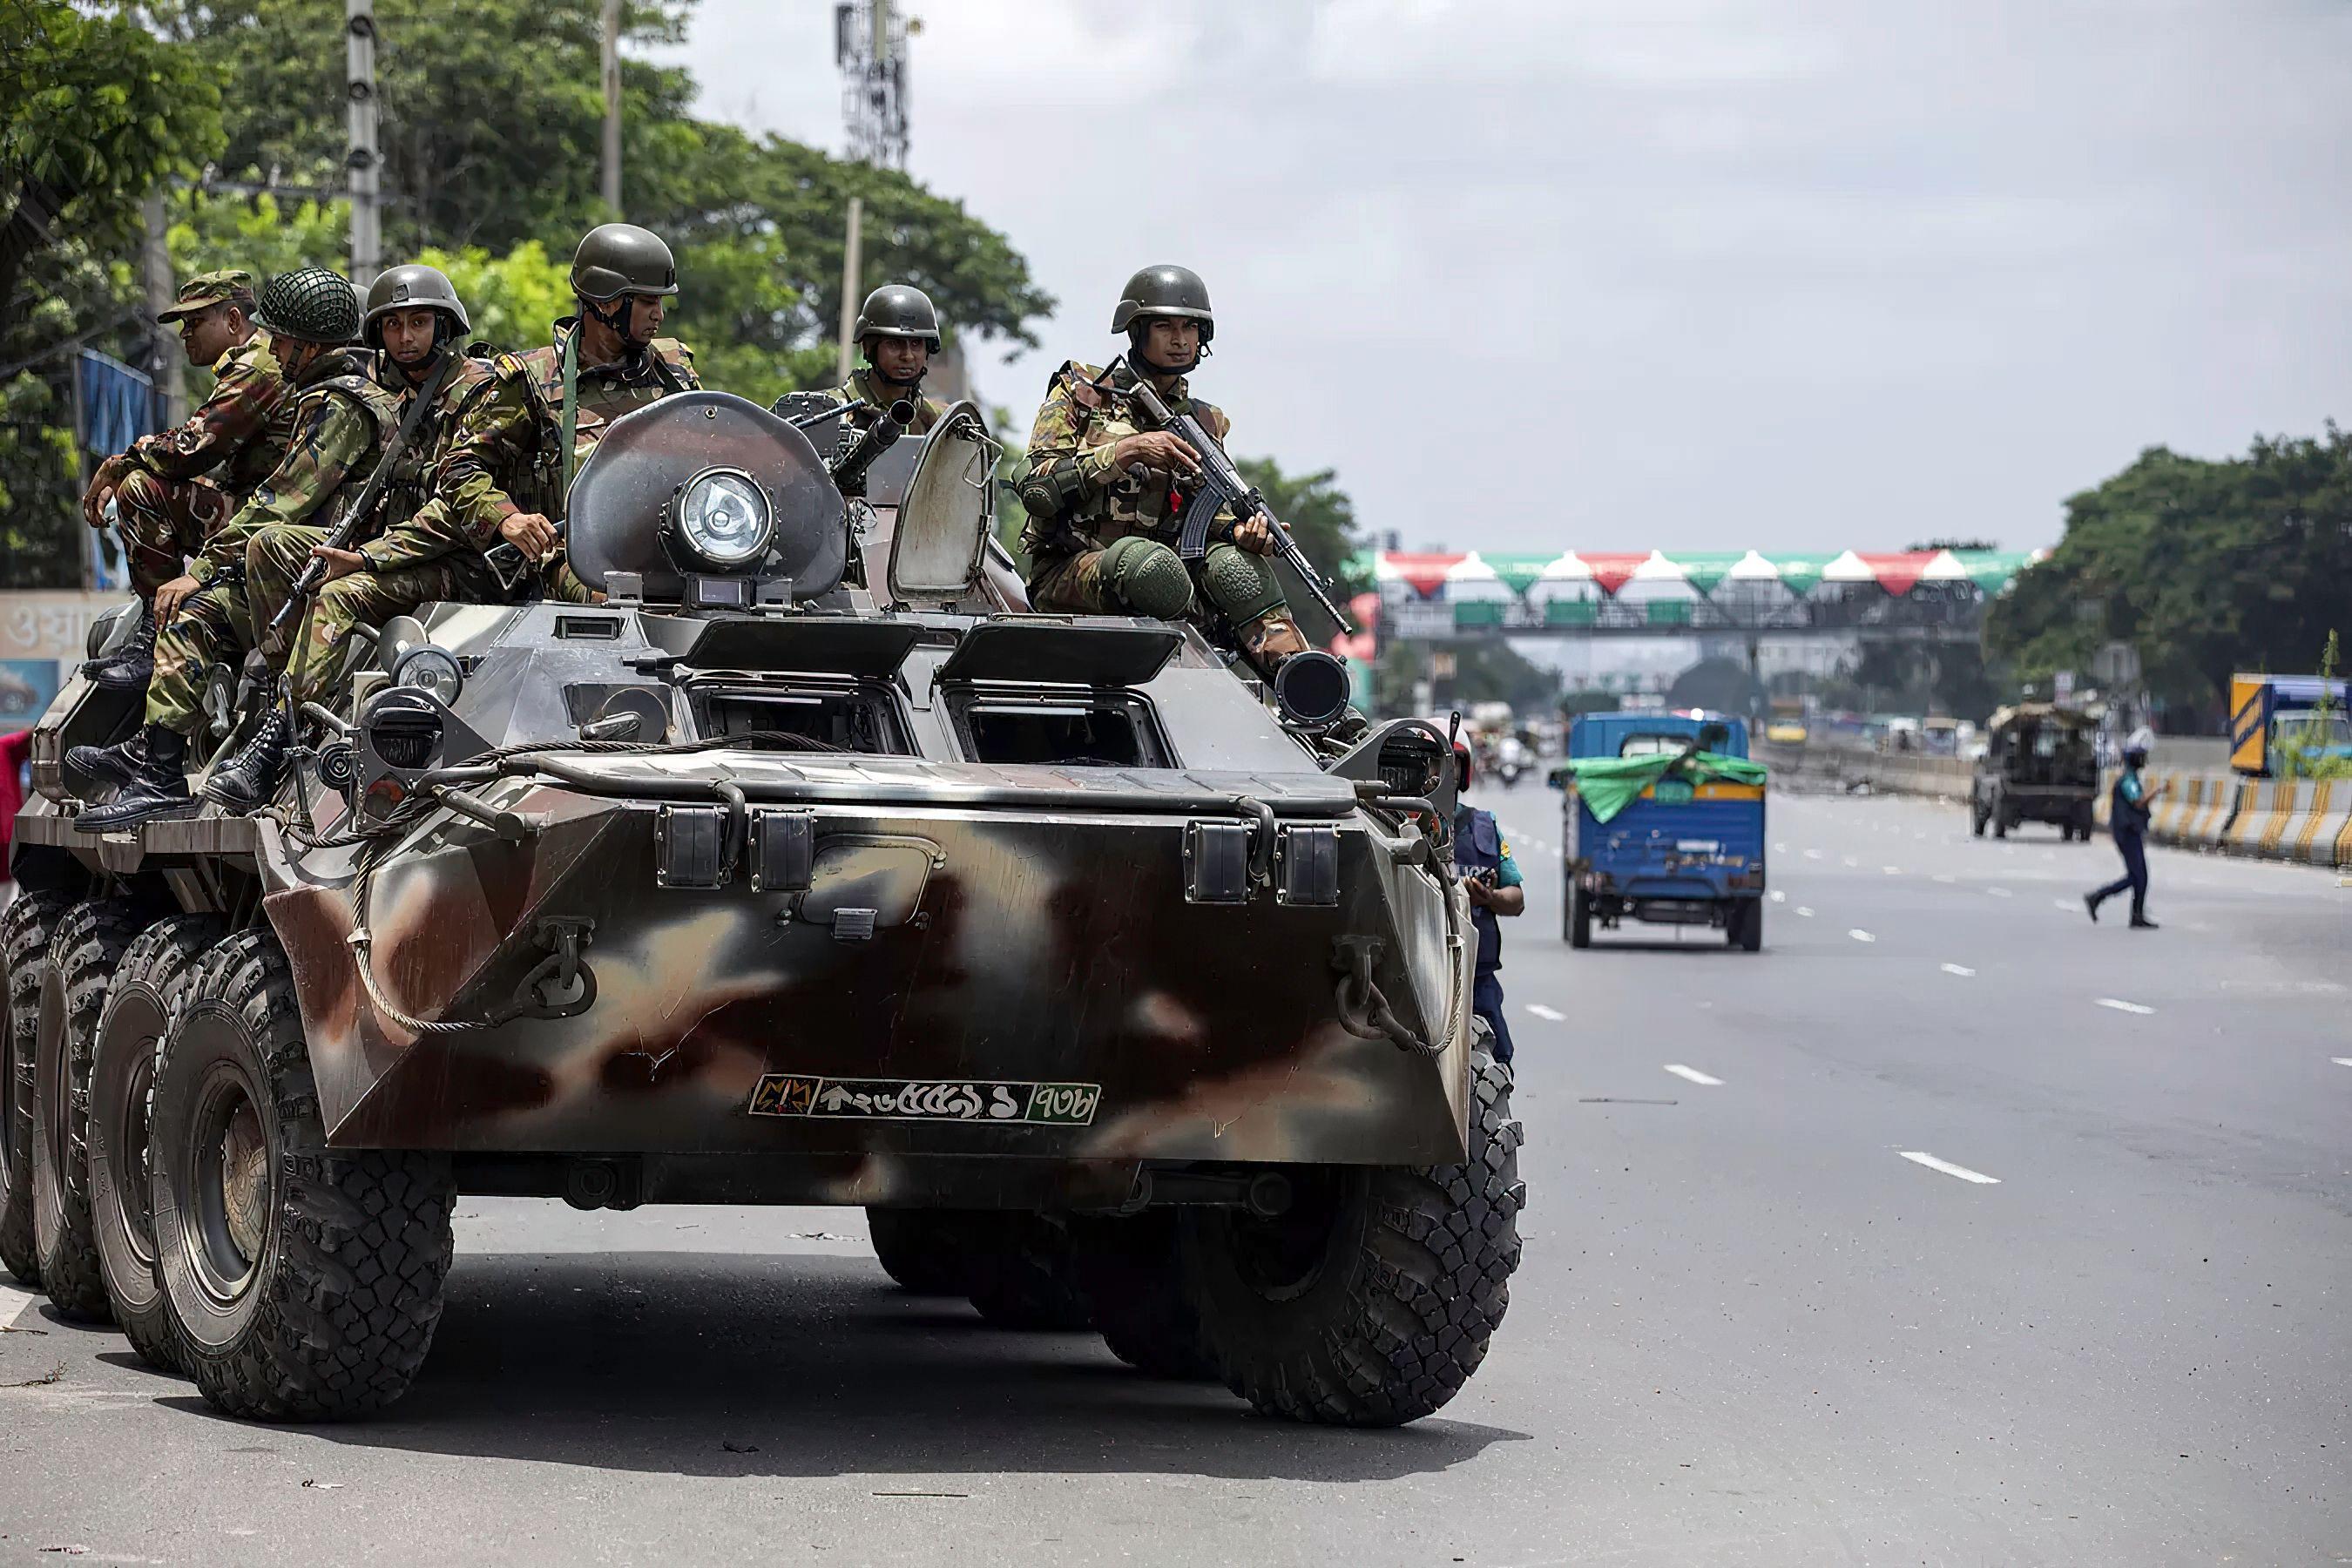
(1514, 759)
(2038, 766)
(1785, 732)
(1687, 850)
(2272, 714)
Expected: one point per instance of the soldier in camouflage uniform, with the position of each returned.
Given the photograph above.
(1105, 494)
(343, 417)
(505, 470)
(173, 489)
(897, 330)
(418, 326)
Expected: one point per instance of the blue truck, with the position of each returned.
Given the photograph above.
(1688, 848)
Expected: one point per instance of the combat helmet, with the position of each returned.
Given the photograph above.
(1164, 290)
(617, 259)
(412, 288)
(311, 303)
(898, 310)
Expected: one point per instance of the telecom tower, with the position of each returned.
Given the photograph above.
(869, 44)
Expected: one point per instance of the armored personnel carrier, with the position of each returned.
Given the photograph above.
(806, 867)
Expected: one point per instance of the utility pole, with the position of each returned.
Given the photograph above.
(165, 358)
(850, 269)
(365, 168)
(613, 104)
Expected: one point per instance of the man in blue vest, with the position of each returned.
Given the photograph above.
(2127, 813)
(1494, 883)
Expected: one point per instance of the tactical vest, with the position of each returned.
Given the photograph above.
(2125, 818)
(1143, 500)
(1478, 846)
(411, 484)
(351, 381)
(603, 397)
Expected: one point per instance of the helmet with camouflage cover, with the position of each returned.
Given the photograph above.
(311, 303)
(1164, 290)
(898, 310)
(617, 259)
(415, 287)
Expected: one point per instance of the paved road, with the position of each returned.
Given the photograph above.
(2003, 1239)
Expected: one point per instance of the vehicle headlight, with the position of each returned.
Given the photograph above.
(433, 670)
(722, 517)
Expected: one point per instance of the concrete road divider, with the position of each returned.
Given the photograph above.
(2263, 807)
(2311, 836)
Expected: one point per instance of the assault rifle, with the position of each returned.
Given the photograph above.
(1221, 485)
(364, 507)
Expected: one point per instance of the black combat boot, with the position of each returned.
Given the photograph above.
(248, 778)
(157, 789)
(128, 666)
(116, 765)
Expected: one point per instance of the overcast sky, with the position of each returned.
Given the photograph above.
(1625, 274)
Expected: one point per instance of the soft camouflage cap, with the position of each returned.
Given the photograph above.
(617, 259)
(209, 289)
(1165, 290)
(415, 287)
(311, 304)
(898, 310)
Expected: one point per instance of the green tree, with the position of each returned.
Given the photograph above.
(2205, 566)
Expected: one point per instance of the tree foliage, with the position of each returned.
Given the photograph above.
(2205, 566)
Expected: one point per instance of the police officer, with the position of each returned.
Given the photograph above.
(173, 489)
(2128, 803)
(506, 468)
(343, 417)
(1105, 494)
(1491, 879)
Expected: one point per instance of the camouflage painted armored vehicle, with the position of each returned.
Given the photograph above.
(805, 869)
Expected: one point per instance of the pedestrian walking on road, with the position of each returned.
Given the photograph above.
(1495, 886)
(2127, 813)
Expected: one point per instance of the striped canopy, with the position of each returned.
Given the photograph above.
(1430, 574)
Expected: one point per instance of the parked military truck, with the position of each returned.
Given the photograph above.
(807, 867)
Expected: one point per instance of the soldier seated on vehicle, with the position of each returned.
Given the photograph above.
(1106, 495)
(171, 490)
(343, 419)
(897, 331)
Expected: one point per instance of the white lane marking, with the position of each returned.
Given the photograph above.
(1892, 870)
(2120, 1005)
(14, 1304)
(2341, 1061)
(1812, 854)
(1860, 935)
(1780, 850)
(2068, 904)
(1548, 1015)
(1919, 1157)
(1850, 860)
(1940, 877)
(1779, 897)
(2001, 892)
(1805, 910)
(1694, 1075)
(1962, 969)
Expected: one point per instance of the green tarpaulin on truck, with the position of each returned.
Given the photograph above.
(1609, 784)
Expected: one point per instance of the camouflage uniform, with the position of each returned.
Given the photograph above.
(395, 584)
(1096, 503)
(863, 388)
(177, 486)
(343, 417)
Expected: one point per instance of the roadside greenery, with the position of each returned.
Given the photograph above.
(2206, 566)
(2319, 745)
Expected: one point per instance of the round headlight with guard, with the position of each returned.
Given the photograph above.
(719, 519)
(433, 670)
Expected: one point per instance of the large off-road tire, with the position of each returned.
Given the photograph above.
(1023, 1274)
(304, 1283)
(154, 973)
(1373, 1300)
(1134, 1288)
(925, 1249)
(87, 945)
(26, 928)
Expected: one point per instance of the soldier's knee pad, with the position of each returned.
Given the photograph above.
(1148, 577)
(1241, 586)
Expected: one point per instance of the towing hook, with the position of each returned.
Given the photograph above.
(559, 985)
(1363, 1011)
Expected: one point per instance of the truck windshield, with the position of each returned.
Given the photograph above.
(1651, 745)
